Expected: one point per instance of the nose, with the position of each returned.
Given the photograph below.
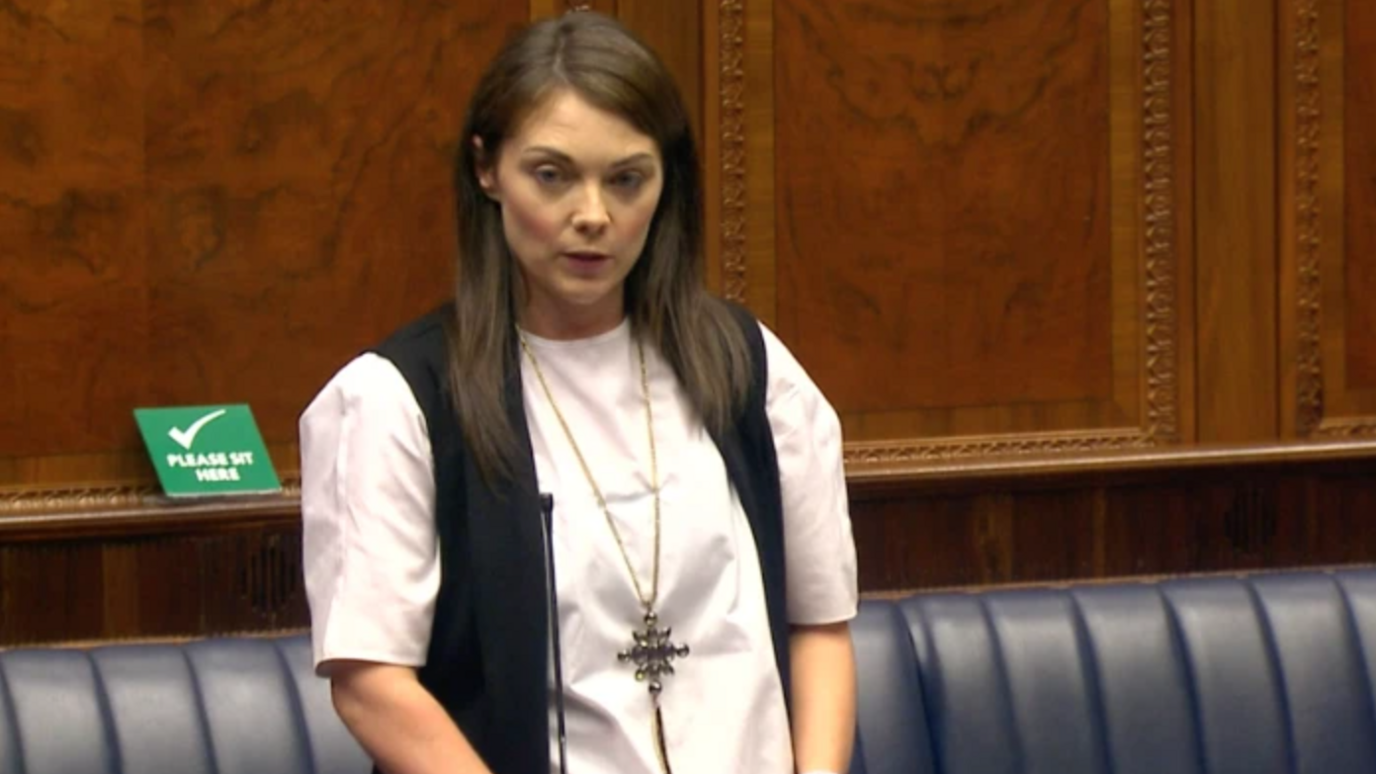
(591, 215)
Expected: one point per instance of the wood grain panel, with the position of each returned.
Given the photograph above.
(1359, 129)
(298, 177)
(1235, 179)
(1056, 534)
(894, 538)
(1327, 110)
(214, 202)
(1037, 520)
(915, 153)
(242, 578)
(1349, 537)
(1238, 520)
(1153, 531)
(46, 593)
(73, 256)
(943, 185)
(738, 151)
(674, 31)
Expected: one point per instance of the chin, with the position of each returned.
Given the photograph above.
(589, 295)
(590, 303)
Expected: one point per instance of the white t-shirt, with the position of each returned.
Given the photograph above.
(372, 557)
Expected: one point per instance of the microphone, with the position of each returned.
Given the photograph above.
(552, 594)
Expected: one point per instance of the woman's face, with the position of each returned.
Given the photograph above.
(578, 188)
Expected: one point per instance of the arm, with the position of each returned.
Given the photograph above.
(820, 558)
(398, 723)
(823, 664)
(371, 564)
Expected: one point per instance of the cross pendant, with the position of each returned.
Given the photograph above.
(653, 653)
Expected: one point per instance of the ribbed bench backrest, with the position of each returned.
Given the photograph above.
(223, 706)
(1270, 674)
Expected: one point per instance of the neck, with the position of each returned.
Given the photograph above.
(570, 324)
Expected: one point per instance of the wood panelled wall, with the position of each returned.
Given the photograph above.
(995, 233)
(213, 202)
(1327, 108)
(217, 568)
(978, 227)
(1131, 513)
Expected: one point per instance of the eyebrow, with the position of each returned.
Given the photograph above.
(564, 157)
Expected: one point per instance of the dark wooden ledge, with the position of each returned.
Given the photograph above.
(1110, 467)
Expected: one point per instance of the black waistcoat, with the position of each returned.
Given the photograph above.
(488, 656)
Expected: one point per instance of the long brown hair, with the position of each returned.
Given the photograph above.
(606, 64)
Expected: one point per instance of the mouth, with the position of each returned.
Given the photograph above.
(588, 264)
(586, 256)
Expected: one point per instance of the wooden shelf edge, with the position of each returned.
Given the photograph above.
(1109, 465)
(96, 511)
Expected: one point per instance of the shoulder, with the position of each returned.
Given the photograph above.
(773, 362)
(368, 388)
(733, 320)
(734, 308)
(789, 395)
(391, 381)
(425, 337)
(419, 352)
(743, 318)
(788, 381)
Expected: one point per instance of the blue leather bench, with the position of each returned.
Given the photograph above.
(220, 706)
(1271, 673)
(1266, 675)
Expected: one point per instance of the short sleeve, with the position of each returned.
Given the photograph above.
(367, 507)
(819, 548)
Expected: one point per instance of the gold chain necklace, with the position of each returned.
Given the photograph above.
(652, 651)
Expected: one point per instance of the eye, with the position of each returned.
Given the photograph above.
(548, 175)
(630, 180)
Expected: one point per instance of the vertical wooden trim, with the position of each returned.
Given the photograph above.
(712, 163)
(1099, 529)
(1127, 278)
(743, 151)
(732, 84)
(1312, 58)
(120, 594)
(761, 267)
(1159, 213)
(1187, 323)
(1345, 413)
(1340, 417)
(995, 543)
(1235, 142)
(1301, 118)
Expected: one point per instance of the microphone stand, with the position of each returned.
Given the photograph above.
(551, 594)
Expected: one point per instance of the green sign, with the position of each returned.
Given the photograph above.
(207, 450)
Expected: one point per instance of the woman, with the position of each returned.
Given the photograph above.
(675, 444)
